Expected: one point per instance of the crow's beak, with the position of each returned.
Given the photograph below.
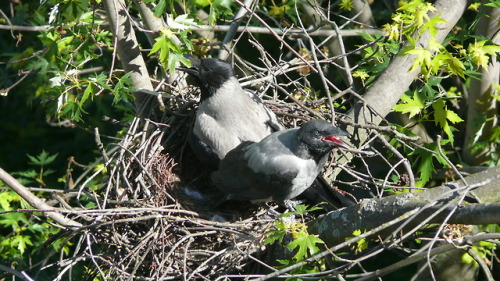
(336, 141)
(191, 71)
(343, 144)
(334, 135)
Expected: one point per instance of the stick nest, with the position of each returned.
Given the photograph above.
(144, 226)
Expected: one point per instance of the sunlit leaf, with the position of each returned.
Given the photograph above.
(306, 243)
(413, 105)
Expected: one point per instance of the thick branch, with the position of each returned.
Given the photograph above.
(422, 255)
(36, 202)
(396, 79)
(292, 32)
(128, 48)
(373, 212)
(482, 107)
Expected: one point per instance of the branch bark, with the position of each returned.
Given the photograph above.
(422, 255)
(395, 80)
(378, 211)
(482, 115)
(36, 202)
(128, 49)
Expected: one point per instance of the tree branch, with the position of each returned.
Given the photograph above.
(296, 32)
(36, 202)
(128, 48)
(396, 79)
(373, 212)
(421, 255)
(482, 107)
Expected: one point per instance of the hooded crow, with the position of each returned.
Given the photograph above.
(279, 167)
(227, 115)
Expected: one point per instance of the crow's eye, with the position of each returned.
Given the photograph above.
(317, 133)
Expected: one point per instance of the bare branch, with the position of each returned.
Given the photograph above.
(36, 202)
(294, 32)
(420, 256)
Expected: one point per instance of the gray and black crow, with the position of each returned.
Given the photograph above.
(227, 115)
(279, 167)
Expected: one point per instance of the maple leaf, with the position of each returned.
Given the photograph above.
(474, 7)
(360, 74)
(455, 66)
(391, 31)
(277, 11)
(346, 5)
(413, 106)
(305, 242)
(423, 59)
(425, 168)
(479, 53)
(443, 115)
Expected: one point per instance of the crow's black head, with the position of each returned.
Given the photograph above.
(320, 136)
(210, 73)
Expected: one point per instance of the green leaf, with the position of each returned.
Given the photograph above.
(432, 25)
(423, 58)
(491, 49)
(346, 5)
(275, 235)
(285, 262)
(219, 8)
(443, 115)
(474, 6)
(455, 66)
(453, 117)
(43, 159)
(426, 167)
(203, 3)
(413, 106)
(122, 89)
(21, 242)
(6, 198)
(86, 94)
(478, 52)
(13, 220)
(493, 3)
(468, 259)
(306, 243)
(174, 60)
(161, 8)
(301, 209)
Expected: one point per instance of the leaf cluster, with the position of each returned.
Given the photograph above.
(25, 233)
(302, 242)
(429, 103)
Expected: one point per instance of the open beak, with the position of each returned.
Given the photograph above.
(334, 138)
(336, 141)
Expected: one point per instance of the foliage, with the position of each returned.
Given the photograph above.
(303, 243)
(437, 64)
(485, 249)
(74, 42)
(169, 51)
(24, 233)
(361, 244)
